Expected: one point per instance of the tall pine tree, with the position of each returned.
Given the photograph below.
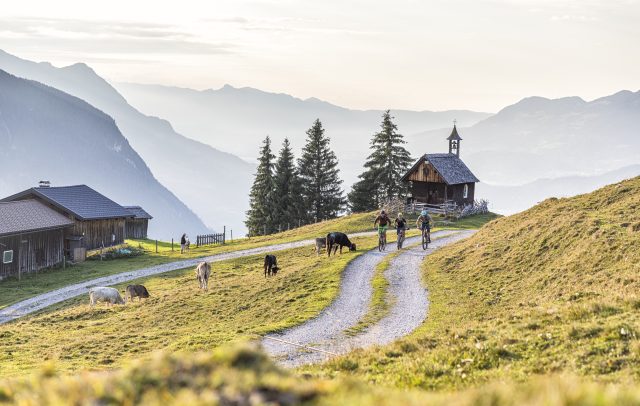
(388, 162)
(319, 175)
(260, 219)
(288, 207)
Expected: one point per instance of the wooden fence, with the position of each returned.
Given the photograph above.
(210, 239)
(448, 208)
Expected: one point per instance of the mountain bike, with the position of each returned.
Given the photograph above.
(382, 240)
(401, 238)
(425, 238)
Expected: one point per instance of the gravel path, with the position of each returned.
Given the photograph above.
(44, 300)
(327, 331)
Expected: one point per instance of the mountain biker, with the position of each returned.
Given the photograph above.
(424, 223)
(400, 223)
(383, 223)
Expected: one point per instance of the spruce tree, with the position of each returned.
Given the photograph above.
(319, 175)
(260, 219)
(388, 162)
(363, 195)
(287, 199)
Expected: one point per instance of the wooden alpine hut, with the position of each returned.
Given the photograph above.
(31, 237)
(137, 226)
(442, 178)
(97, 220)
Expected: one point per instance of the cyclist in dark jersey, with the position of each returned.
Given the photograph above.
(400, 223)
(382, 221)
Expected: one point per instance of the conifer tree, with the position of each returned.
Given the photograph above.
(260, 219)
(388, 162)
(287, 199)
(319, 175)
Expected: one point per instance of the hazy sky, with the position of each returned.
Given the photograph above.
(434, 55)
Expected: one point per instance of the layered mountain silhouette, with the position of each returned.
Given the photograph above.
(47, 134)
(513, 199)
(237, 120)
(214, 184)
(540, 138)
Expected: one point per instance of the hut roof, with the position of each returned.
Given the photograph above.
(138, 212)
(449, 166)
(79, 200)
(28, 216)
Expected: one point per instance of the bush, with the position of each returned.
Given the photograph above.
(478, 207)
(122, 252)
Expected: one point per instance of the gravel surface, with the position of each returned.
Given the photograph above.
(44, 300)
(327, 330)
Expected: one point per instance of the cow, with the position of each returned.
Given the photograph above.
(270, 265)
(203, 270)
(107, 295)
(320, 244)
(133, 291)
(335, 240)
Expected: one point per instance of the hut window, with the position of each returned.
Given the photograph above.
(7, 257)
(465, 191)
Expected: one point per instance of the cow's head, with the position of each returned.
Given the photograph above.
(352, 247)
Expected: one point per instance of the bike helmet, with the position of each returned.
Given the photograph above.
(399, 214)
(424, 212)
(382, 211)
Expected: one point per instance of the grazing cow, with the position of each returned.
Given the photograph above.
(107, 295)
(270, 265)
(335, 240)
(320, 244)
(133, 291)
(203, 270)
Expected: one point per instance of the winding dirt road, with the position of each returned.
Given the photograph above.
(327, 330)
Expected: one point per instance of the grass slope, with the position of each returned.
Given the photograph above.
(177, 316)
(243, 376)
(12, 290)
(551, 290)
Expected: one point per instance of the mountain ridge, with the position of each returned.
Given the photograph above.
(177, 161)
(39, 122)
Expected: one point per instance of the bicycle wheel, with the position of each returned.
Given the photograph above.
(425, 243)
(380, 243)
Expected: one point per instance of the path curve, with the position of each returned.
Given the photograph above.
(327, 330)
(44, 300)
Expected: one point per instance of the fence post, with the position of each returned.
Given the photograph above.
(156, 246)
(224, 234)
(172, 245)
(231, 235)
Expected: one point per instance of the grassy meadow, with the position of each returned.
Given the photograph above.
(13, 290)
(553, 290)
(239, 304)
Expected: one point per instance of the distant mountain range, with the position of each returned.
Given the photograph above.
(46, 134)
(513, 199)
(212, 183)
(237, 120)
(549, 138)
(549, 146)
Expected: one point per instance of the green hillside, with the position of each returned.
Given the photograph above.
(241, 376)
(555, 289)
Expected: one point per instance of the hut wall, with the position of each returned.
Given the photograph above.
(456, 193)
(136, 228)
(98, 232)
(31, 251)
(427, 192)
(425, 173)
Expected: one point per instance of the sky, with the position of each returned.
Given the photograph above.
(403, 54)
